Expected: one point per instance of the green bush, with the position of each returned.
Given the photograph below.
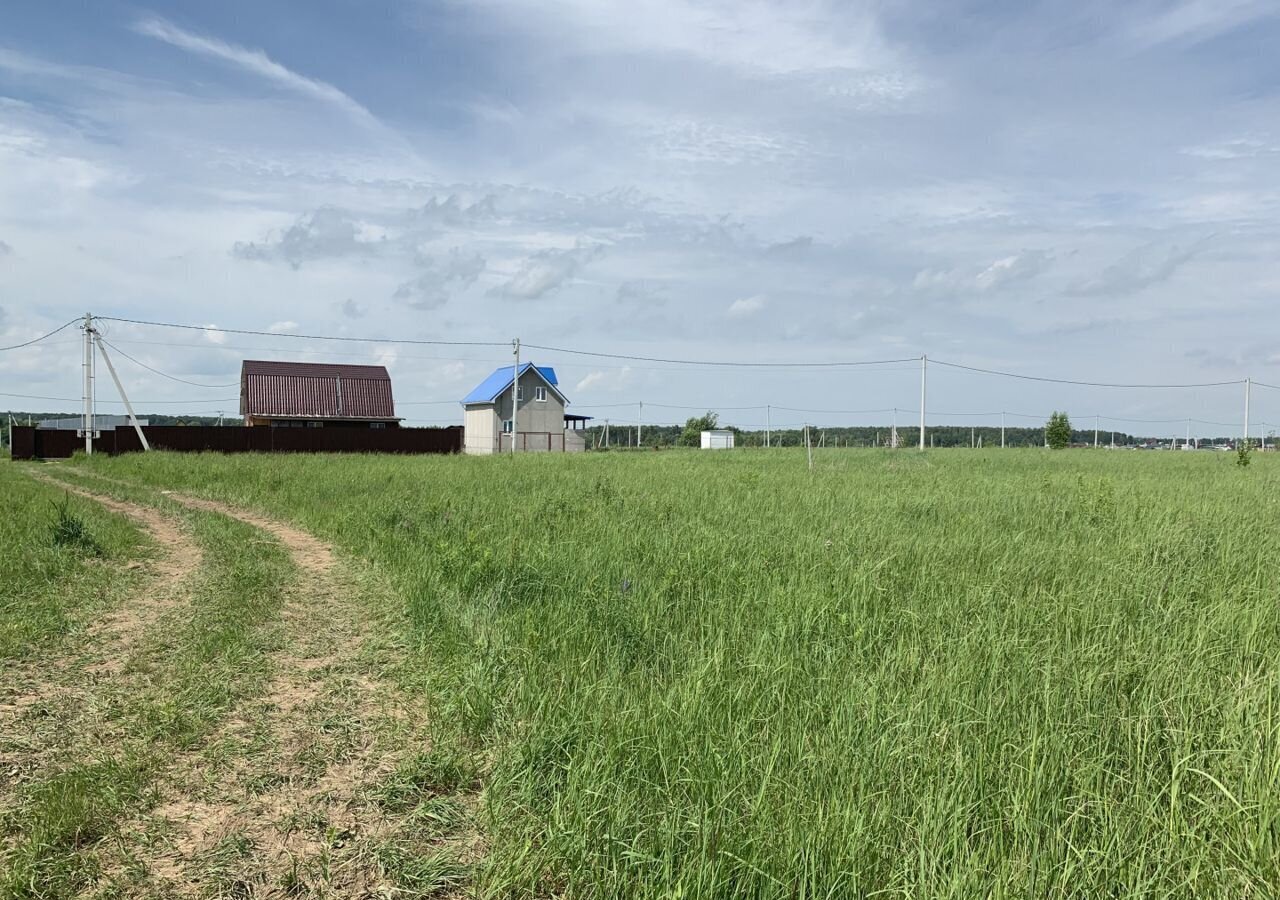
(1057, 431)
(1244, 452)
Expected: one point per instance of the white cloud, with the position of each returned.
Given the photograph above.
(1233, 148)
(706, 142)
(1143, 267)
(639, 292)
(548, 270)
(282, 327)
(1192, 21)
(609, 380)
(1012, 269)
(385, 355)
(253, 61)
(452, 372)
(758, 37)
(213, 335)
(1016, 268)
(746, 306)
(441, 280)
(326, 233)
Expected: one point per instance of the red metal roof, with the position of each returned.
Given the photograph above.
(318, 390)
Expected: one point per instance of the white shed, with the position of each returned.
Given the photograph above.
(720, 439)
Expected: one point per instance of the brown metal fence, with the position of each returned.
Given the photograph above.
(34, 443)
(532, 442)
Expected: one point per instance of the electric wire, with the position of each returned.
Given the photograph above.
(727, 364)
(1081, 383)
(305, 337)
(135, 402)
(42, 337)
(139, 362)
(671, 361)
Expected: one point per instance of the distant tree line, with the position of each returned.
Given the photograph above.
(688, 435)
(621, 436)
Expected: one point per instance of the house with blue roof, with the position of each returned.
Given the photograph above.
(535, 414)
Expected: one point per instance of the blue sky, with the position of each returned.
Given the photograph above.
(1085, 190)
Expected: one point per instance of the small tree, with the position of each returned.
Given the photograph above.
(1244, 450)
(1057, 431)
(693, 428)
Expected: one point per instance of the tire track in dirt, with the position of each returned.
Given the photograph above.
(43, 702)
(309, 552)
(119, 630)
(296, 799)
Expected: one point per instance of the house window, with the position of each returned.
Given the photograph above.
(540, 393)
(506, 426)
(519, 393)
(315, 424)
(377, 424)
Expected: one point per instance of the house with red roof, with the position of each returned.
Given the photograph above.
(316, 395)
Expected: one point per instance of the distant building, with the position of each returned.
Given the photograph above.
(719, 439)
(540, 423)
(101, 423)
(316, 395)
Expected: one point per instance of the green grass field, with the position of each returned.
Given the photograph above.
(957, 674)
(47, 593)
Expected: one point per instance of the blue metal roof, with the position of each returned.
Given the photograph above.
(500, 380)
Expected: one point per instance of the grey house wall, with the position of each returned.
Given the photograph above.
(535, 415)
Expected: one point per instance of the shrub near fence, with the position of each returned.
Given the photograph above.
(33, 443)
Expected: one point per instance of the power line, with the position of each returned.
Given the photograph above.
(707, 362)
(304, 337)
(703, 406)
(325, 351)
(163, 374)
(671, 361)
(43, 336)
(686, 362)
(1125, 420)
(136, 402)
(1081, 383)
(583, 366)
(850, 412)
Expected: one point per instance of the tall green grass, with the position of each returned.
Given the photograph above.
(959, 674)
(52, 581)
(182, 677)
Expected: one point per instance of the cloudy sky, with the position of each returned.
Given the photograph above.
(1087, 190)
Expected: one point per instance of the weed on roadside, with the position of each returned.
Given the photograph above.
(71, 532)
